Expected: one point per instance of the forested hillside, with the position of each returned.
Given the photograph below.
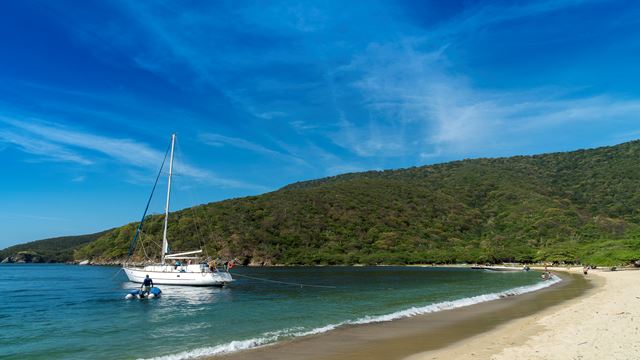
(579, 206)
(59, 249)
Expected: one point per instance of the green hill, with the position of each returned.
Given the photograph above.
(59, 249)
(579, 206)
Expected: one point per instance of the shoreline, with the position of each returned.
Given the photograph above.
(592, 317)
(405, 337)
(601, 324)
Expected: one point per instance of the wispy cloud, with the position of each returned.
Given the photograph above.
(303, 126)
(43, 149)
(62, 143)
(131, 111)
(624, 136)
(255, 60)
(418, 106)
(127, 151)
(487, 14)
(380, 94)
(221, 140)
(331, 163)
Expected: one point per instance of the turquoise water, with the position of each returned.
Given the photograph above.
(57, 311)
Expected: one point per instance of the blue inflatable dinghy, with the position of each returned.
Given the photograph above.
(139, 294)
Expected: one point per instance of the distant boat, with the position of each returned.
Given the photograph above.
(163, 273)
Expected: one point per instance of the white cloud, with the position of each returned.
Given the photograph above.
(125, 150)
(418, 107)
(487, 14)
(415, 105)
(42, 148)
(303, 126)
(61, 143)
(221, 140)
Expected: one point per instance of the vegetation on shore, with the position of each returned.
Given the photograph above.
(59, 249)
(579, 206)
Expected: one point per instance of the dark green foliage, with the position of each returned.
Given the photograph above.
(580, 206)
(58, 249)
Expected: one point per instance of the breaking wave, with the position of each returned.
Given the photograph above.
(272, 337)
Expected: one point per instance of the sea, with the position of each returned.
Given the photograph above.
(57, 311)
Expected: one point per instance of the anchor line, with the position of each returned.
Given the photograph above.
(285, 282)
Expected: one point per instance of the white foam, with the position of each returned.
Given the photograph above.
(272, 337)
(447, 305)
(217, 350)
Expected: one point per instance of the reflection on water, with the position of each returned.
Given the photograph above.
(192, 295)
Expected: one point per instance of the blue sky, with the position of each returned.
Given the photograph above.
(262, 94)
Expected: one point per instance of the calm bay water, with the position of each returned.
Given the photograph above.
(57, 311)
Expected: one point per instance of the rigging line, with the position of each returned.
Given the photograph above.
(195, 216)
(145, 238)
(150, 239)
(286, 282)
(135, 237)
(144, 250)
(195, 222)
(117, 272)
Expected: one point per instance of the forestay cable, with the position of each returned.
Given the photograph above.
(135, 237)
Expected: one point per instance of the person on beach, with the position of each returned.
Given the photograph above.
(147, 284)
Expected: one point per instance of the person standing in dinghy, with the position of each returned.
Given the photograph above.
(147, 284)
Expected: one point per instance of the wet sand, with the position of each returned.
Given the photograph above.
(602, 324)
(421, 334)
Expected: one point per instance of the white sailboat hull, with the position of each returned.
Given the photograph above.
(188, 275)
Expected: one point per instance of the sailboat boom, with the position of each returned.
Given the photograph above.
(183, 254)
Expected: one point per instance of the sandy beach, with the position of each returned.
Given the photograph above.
(592, 317)
(601, 324)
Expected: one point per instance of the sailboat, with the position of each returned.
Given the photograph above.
(178, 273)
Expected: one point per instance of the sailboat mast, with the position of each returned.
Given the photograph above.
(165, 243)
